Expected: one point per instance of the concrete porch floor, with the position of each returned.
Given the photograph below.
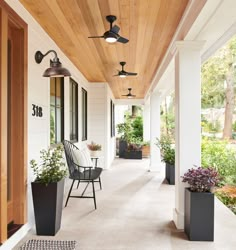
(134, 213)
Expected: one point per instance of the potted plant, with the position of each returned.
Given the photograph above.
(95, 149)
(199, 203)
(168, 156)
(134, 150)
(124, 130)
(146, 148)
(48, 190)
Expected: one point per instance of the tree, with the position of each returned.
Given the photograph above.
(218, 80)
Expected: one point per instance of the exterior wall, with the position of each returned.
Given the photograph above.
(39, 94)
(99, 98)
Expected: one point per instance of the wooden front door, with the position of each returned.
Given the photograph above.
(13, 119)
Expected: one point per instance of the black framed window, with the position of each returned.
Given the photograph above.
(73, 110)
(84, 114)
(56, 110)
(112, 110)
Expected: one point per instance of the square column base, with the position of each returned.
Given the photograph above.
(178, 219)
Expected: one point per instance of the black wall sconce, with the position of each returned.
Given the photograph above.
(56, 69)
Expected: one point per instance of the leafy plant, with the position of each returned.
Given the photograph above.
(146, 143)
(201, 179)
(51, 169)
(169, 156)
(94, 146)
(167, 152)
(125, 130)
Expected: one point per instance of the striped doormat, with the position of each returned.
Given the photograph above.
(49, 245)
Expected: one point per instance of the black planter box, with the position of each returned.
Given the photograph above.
(47, 200)
(199, 216)
(170, 174)
(133, 155)
(122, 148)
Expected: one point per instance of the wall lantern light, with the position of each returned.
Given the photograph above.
(56, 69)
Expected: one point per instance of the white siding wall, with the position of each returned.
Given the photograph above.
(99, 98)
(39, 94)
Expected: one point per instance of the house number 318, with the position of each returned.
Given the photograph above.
(37, 111)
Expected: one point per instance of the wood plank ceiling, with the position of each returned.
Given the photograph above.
(148, 24)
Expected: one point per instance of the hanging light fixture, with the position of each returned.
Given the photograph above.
(56, 69)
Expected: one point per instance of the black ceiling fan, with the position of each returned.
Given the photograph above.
(129, 95)
(123, 73)
(112, 35)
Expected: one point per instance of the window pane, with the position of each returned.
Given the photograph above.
(58, 92)
(73, 110)
(58, 122)
(56, 110)
(52, 126)
(84, 114)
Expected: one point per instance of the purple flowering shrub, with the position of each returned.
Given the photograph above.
(201, 179)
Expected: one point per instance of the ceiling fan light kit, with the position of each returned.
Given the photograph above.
(112, 36)
(129, 95)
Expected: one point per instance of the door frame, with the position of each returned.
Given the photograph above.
(19, 124)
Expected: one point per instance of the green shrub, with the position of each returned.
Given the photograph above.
(215, 153)
(137, 126)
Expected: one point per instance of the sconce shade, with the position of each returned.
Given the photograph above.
(56, 69)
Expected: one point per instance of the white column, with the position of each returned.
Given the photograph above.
(187, 118)
(155, 123)
(146, 121)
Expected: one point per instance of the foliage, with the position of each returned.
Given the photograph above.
(52, 168)
(94, 146)
(201, 179)
(131, 129)
(214, 73)
(124, 129)
(134, 147)
(213, 126)
(165, 146)
(227, 195)
(215, 153)
(234, 126)
(137, 126)
(146, 143)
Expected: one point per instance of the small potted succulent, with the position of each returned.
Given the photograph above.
(48, 190)
(199, 203)
(95, 149)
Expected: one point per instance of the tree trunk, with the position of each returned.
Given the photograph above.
(134, 111)
(229, 107)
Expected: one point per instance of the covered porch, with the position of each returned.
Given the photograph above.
(135, 210)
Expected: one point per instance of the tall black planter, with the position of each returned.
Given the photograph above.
(47, 200)
(122, 148)
(199, 216)
(170, 174)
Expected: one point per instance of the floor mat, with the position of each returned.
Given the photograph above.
(49, 245)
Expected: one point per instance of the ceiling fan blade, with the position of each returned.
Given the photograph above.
(122, 40)
(131, 74)
(115, 29)
(116, 75)
(95, 36)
